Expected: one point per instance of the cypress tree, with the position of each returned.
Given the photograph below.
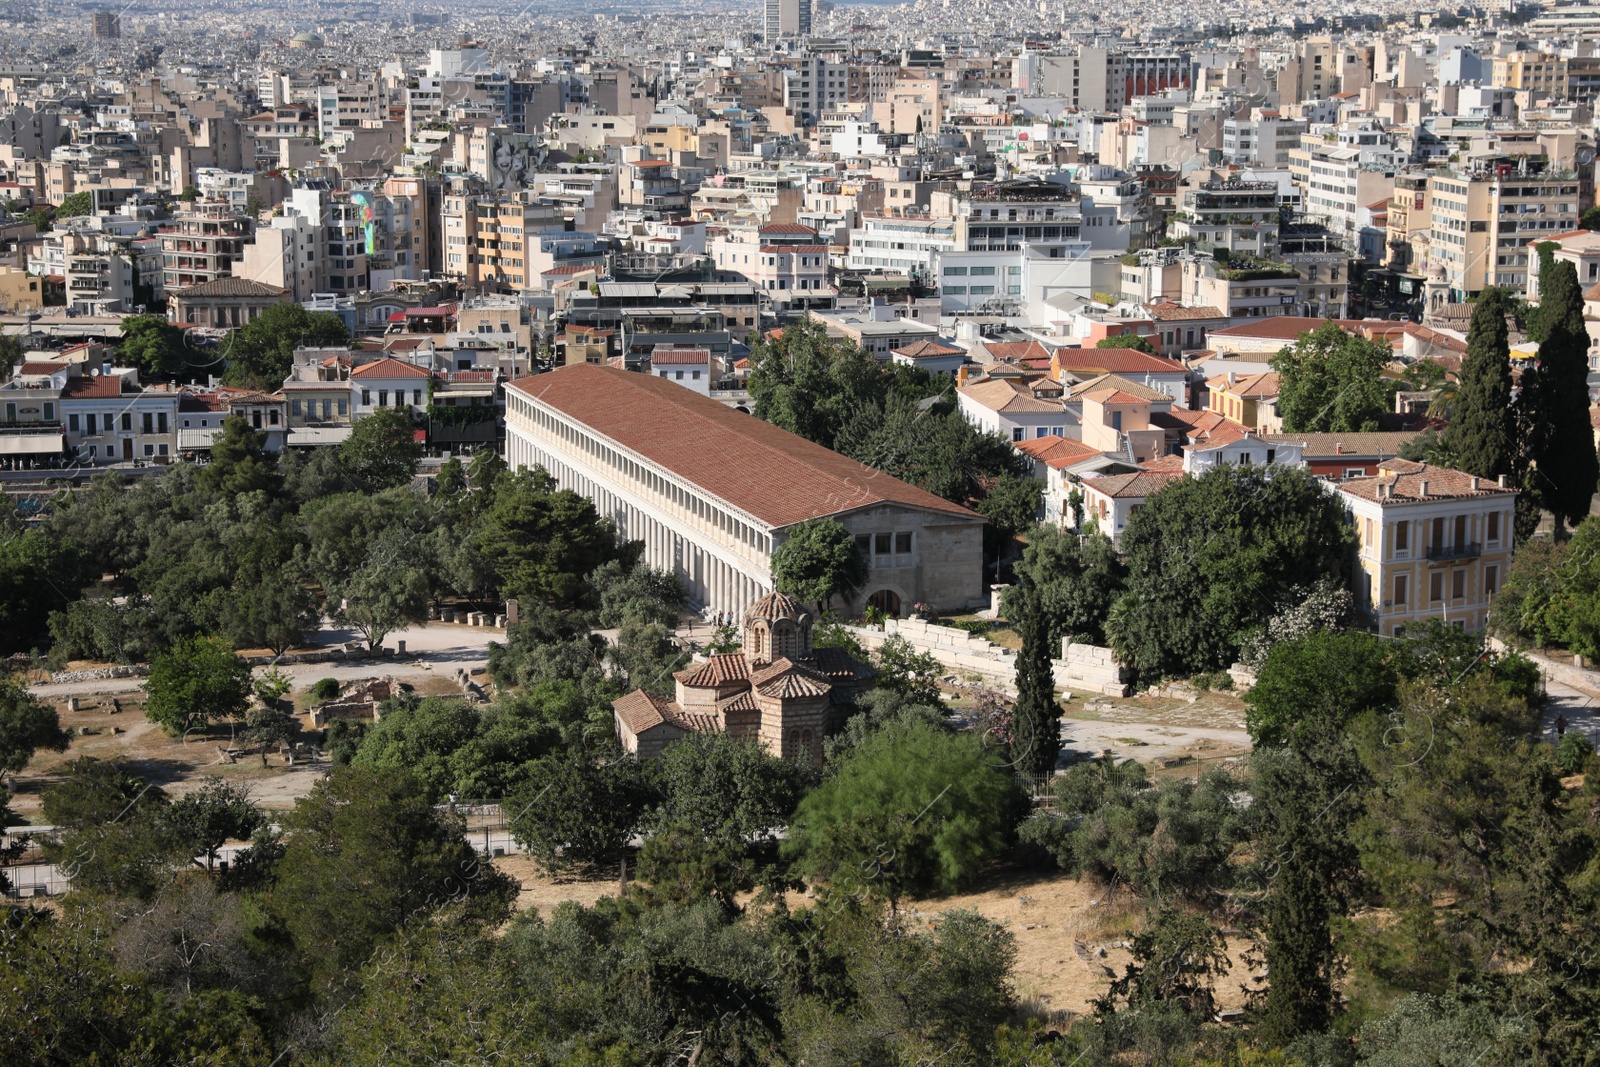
(1482, 434)
(1555, 401)
(1036, 734)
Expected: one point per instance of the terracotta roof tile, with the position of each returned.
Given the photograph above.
(1132, 486)
(776, 476)
(390, 368)
(1353, 445)
(1403, 482)
(715, 672)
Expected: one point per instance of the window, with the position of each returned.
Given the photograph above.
(882, 544)
(127, 421)
(161, 449)
(147, 424)
(149, 450)
(1461, 531)
(694, 375)
(1493, 534)
(1402, 537)
(49, 412)
(294, 408)
(1401, 588)
(864, 545)
(1018, 433)
(344, 407)
(677, 375)
(366, 397)
(272, 416)
(902, 544)
(1491, 580)
(383, 398)
(1436, 587)
(88, 423)
(1458, 583)
(1437, 542)
(72, 423)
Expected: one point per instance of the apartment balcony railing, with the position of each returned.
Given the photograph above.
(1466, 550)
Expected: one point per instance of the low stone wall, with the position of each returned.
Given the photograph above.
(1092, 668)
(100, 674)
(963, 654)
(140, 670)
(1585, 678)
(1081, 668)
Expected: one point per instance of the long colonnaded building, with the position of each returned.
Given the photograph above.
(712, 492)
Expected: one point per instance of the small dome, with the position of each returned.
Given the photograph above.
(775, 606)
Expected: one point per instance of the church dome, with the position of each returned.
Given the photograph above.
(775, 606)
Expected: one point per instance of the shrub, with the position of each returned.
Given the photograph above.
(1573, 753)
(325, 689)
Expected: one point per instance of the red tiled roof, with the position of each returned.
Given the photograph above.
(1116, 361)
(1132, 486)
(41, 368)
(1403, 481)
(718, 671)
(926, 350)
(429, 313)
(787, 227)
(774, 475)
(1055, 451)
(390, 368)
(668, 356)
(100, 387)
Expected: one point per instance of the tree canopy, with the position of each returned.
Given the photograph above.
(1211, 558)
(818, 561)
(260, 353)
(1331, 381)
(196, 682)
(1553, 403)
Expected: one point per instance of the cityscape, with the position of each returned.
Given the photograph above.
(800, 532)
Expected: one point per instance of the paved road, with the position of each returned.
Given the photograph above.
(1581, 710)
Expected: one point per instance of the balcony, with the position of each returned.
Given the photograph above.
(1445, 553)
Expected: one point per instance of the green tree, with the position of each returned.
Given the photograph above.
(817, 561)
(205, 819)
(40, 573)
(911, 675)
(11, 353)
(239, 461)
(579, 811)
(75, 204)
(543, 541)
(421, 736)
(1011, 506)
(275, 613)
(152, 344)
(1554, 402)
(1128, 340)
(1590, 219)
(260, 353)
(1482, 435)
(382, 450)
(389, 589)
(26, 726)
(1076, 579)
(1211, 558)
(1331, 381)
(910, 810)
(1177, 959)
(725, 789)
(194, 683)
(366, 855)
(1320, 678)
(1036, 730)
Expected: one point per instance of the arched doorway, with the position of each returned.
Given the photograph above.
(886, 601)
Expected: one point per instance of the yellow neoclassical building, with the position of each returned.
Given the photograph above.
(1434, 543)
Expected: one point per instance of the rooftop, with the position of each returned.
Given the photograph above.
(775, 476)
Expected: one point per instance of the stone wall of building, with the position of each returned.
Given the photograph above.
(1081, 668)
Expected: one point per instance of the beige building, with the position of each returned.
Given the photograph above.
(1433, 543)
(712, 492)
(1484, 220)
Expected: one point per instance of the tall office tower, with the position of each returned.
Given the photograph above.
(788, 18)
(107, 25)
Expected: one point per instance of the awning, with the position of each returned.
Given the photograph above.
(314, 436)
(197, 440)
(32, 444)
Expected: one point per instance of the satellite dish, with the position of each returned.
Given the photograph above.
(1585, 156)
